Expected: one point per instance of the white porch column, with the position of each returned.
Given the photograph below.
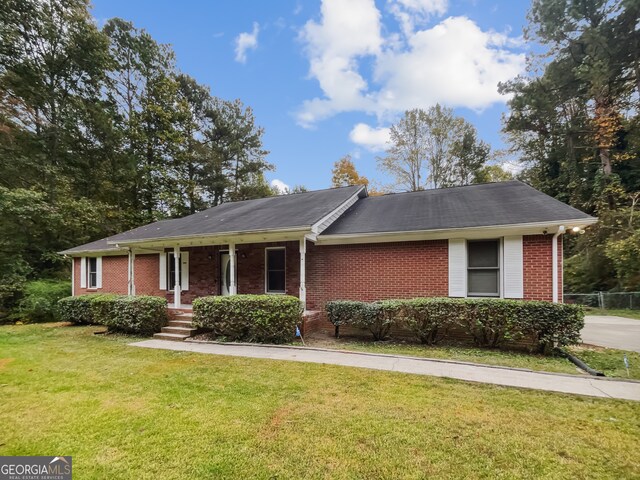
(303, 286)
(73, 276)
(132, 282)
(233, 288)
(177, 289)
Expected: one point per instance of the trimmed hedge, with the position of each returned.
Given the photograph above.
(428, 318)
(76, 309)
(489, 322)
(249, 318)
(142, 314)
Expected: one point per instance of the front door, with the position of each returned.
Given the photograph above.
(225, 274)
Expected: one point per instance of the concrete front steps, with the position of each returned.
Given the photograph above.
(178, 328)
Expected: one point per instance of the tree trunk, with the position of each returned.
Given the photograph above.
(605, 160)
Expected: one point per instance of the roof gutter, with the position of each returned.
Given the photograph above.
(444, 233)
(106, 251)
(214, 236)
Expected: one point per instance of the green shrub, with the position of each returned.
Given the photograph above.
(367, 316)
(552, 324)
(429, 319)
(249, 318)
(376, 319)
(142, 314)
(102, 306)
(76, 310)
(489, 322)
(344, 312)
(13, 281)
(39, 302)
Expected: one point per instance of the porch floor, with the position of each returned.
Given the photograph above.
(183, 306)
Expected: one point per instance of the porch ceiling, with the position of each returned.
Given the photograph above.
(240, 238)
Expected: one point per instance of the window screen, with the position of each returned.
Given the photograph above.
(92, 271)
(276, 270)
(483, 268)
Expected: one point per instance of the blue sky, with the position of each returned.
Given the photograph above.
(327, 78)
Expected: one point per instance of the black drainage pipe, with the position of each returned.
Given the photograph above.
(580, 364)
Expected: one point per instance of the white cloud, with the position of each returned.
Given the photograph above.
(454, 62)
(347, 31)
(514, 168)
(373, 139)
(246, 41)
(281, 187)
(411, 12)
(425, 7)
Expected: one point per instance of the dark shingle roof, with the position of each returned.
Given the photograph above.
(490, 204)
(97, 246)
(271, 213)
(487, 204)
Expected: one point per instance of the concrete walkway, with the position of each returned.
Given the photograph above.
(511, 377)
(612, 332)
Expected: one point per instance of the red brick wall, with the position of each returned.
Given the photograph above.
(146, 275)
(538, 279)
(115, 275)
(251, 267)
(204, 272)
(376, 271)
(348, 272)
(561, 269)
(204, 266)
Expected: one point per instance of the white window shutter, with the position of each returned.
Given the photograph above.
(513, 267)
(83, 272)
(99, 272)
(184, 279)
(163, 271)
(457, 267)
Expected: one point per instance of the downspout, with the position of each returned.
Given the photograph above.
(73, 276)
(554, 262)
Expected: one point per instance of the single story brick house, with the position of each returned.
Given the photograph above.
(490, 240)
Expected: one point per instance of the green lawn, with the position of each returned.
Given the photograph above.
(448, 352)
(125, 412)
(635, 314)
(607, 360)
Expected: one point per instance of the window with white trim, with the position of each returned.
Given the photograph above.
(483, 268)
(275, 270)
(92, 272)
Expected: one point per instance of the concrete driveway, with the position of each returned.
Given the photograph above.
(612, 332)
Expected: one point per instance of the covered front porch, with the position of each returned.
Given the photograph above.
(188, 270)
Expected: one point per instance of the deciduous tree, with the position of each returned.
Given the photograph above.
(344, 173)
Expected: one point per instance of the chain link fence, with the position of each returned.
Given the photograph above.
(610, 300)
